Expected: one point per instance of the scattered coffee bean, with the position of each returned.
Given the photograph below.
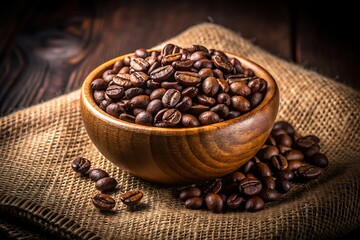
(132, 197)
(194, 203)
(214, 202)
(103, 202)
(96, 174)
(106, 184)
(80, 165)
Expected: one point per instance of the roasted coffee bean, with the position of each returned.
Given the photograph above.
(319, 160)
(218, 73)
(99, 84)
(307, 141)
(185, 65)
(255, 99)
(294, 155)
(96, 174)
(123, 80)
(307, 172)
(237, 176)
(140, 101)
(162, 73)
(279, 162)
(205, 73)
(234, 201)
(222, 63)
(132, 197)
(198, 109)
(158, 117)
(198, 55)
(144, 118)
(283, 149)
(282, 184)
(268, 182)
(99, 96)
(223, 86)
(276, 132)
(237, 65)
(106, 184)
(209, 117)
(103, 202)
(194, 203)
(115, 92)
(104, 103)
(287, 174)
(171, 117)
(80, 165)
(127, 117)
(108, 72)
(210, 86)
(190, 92)
(240, 88)
(132, 92)
(268, 194)
(189, 192)
(271, 141)
(184, 105)
(151, 84)
(221, 109)
(136, 111)
(124, 69)
(174, 85)
(294, 164)
(203, 63)
(312, 150)
(283, 139)
(269, 152)
(157, 93)
(167, 49)
(249, 73)
(171, 98)
(205, 100)
(114, 109)
(214, 202)
(139, 64)
(212, 186)
(118, 65)
(240, 103)
(154, 106)
(248, 166)
(233, 114)
(230, 188)
(285, 126)
(154, 66)
(138, 79)
(254, 204)
(263, 169)
(141, 52)
(189, 120)
(250, 186)
(258, 85)
(196, 48)
(187, 79)
(170, 58)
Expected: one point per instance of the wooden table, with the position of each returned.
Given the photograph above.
(47, 49)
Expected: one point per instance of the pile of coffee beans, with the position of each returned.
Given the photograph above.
(104, 183)
(286, 158)
(179, 87)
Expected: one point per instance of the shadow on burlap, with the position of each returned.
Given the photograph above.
(37, 183)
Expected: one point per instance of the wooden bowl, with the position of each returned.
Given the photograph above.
(180, 155)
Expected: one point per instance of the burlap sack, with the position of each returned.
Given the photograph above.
(37, 183)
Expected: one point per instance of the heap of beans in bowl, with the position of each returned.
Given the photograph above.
(178, 87)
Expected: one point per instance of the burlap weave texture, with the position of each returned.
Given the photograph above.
(37, 145)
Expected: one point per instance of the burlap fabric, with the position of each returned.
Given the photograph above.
(37, 183)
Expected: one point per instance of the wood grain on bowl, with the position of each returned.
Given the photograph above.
(180, 155)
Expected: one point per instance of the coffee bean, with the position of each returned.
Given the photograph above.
(170, 58)
(80, 165)
(294, 155)
(307, 141)
(174, 85)
(210, 86)
(141, 52)
(99, 84)
(139, 64)
(263, 169)
(189, 192)
(144, 118)
(283, 139)
(162, 73)
(114, 109)
(154, 106)
(233, 114)
(319, 160)
(248, 166)
(185, 65)
(276, 132)
(190, 92)
(124, 69)
(157, 93)
(103, 202)
(123, 80)
(201, 48)
(250, 186)
(312, 150)
(158, 118)
(151, 84)
(237, 65)
(283, 149)
(268, 182)
(171, 117)
(285, 126)
(209, 117)
(184, 105)
(198, 55)
(254, 203)
(96, 174)
(194, 203)
(269, 195)
(138, 79)
(99, 96)
(133, 92)
(271, 141)
(140, 101)
(104, 103)
(218, 73)
(189, 120)
(269, 152)
(287, 174)
(307, 172)
(258, 85)
(188, 79)
(240, 88)
(205, 100)
(205, 73)
(132, 197)
(222, 63)
(234, 201)
(240, 103)
(255, 99)
(106, 184)
(127, 117)
(237, 176)
(283, 185)
(115, 92)
(171, 98)
(221, 109)
(279, 162)
(203, 63)
(294, 164)
(118, 65)
(167, 49)
(212, 186)
(214, 202)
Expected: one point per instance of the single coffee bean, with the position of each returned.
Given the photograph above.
(240, 88)
(194, 203)
(118, 65)
(271, 141)
(114, 109)
(203, 63)
(99, 84)
(167, 49)
(187, 79)
(103, 202)
(171, 98)
(124, 69)
(190, 92)
(133, 92)
(209, 117)
(123, 80)
(210, 86)
(212, 186)
(237, 176)
(294, 164)
(283, 139)
(319, 160)
(255, 99)
(138, 79)
(132, 197)
(269, 152)
(170, 58)
(127, 117)
(96, 174)
(257, 85)
(157, 93)
(108, 72)
(223, 85)
(263, 169)
(283, 185)
(205, 100)
(218, 73)
(174, 85)
(283, 149)
(189, 192)
(185, 65)
(106, 184)
(158, 122)
(312, 150)
(162, 73)
(276, 132)
(240, 103)
(221, 109)
(307, 141)
(234, 201)
(222, 63)
(196, 48)
(139, 64)
(198, 55)
(268, 194)
(307, 172)
(285, 126)
(80, 165)
(254, 204)
(214, 202)
(171, 117)
(140, 101)
(248, 72)
(287, 174)
(250, 186)
(205, 73)
(154, 106)
(115, 92)
(144, 118)
(189, 120)
(294, 155)
(104, 103)
(99, 96)
(248, 166)
(237, 65)
(184, 105)
(268, 182)
(141, 52)
(279, 162)
(233, 114)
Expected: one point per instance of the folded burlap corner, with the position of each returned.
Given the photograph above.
(37, 183)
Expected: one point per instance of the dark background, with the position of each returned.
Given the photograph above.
(48, 47)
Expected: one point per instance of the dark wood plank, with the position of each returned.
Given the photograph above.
(326, 41)
(60, 44)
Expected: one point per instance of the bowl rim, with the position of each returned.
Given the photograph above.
(89, 102)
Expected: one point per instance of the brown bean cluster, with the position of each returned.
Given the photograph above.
(104, 183)
(179, 87)
(285, 158)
